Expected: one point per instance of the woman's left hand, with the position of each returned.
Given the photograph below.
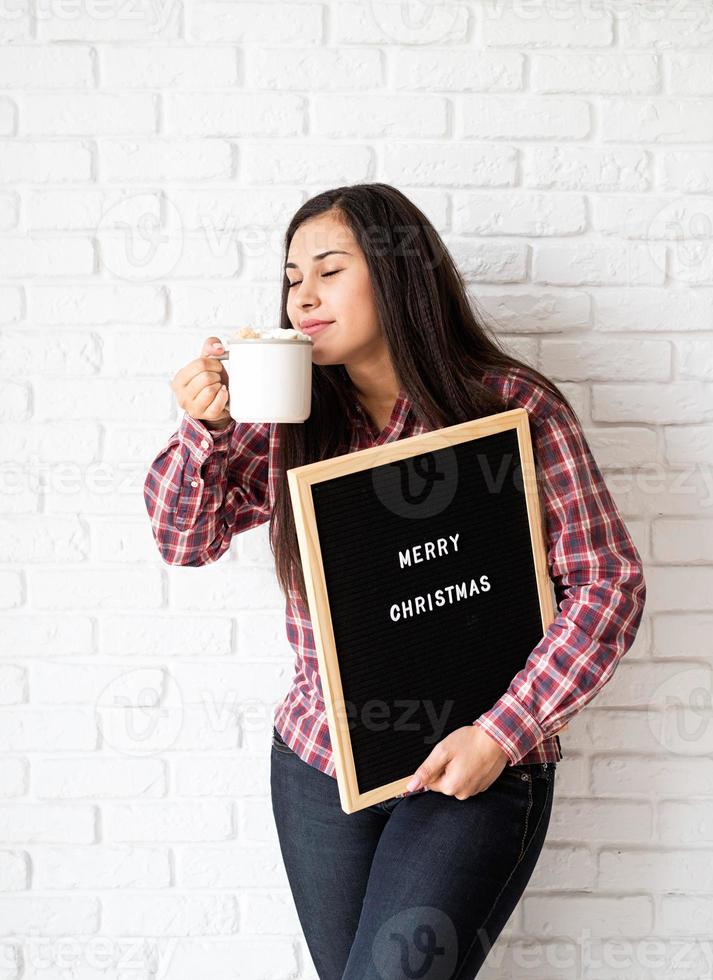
(462, 764)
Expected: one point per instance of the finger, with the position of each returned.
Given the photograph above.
(430, 769)
(205, 397)
(216, 364)
(218, 404)
(201, 381)
(211, 346)
(194, 368)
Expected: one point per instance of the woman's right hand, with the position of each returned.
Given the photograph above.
(199, 387)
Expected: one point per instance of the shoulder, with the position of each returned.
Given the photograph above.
(543, 406)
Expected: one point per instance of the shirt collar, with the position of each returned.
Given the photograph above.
(394, 427)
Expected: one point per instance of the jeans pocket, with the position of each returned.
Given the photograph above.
(517, 772)
(277, 742)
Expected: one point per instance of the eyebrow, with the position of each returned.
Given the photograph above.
(316, 258)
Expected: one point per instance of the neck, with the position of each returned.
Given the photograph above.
(374, 380)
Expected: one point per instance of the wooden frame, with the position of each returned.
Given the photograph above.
(301, 480)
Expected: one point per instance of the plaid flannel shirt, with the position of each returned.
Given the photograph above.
(205, 486)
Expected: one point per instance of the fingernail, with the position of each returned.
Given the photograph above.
(413, 783)
(217, 346)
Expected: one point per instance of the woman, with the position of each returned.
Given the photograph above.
(422, 884)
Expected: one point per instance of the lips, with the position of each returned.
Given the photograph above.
(315, 327)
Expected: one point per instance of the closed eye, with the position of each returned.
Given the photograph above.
(324, 276)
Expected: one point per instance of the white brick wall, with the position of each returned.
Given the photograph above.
(565, 152)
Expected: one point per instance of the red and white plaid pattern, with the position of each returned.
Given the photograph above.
(596, 569)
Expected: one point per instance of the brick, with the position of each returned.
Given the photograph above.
(618, 168)
(9, 211)
(532, 26)
(92, 588)
(8, 117)
(239, 114)
(274, 164)
(521, 117)
(89, 114)
(606, 360)
(34, 66)
(674, 633)
(490, 263)
(23, 258)
(62, 916)
(453, 70)
(177, 635)
(688, 444)
(24, 635)
(656, 120)
(86, 208)
(102, 866)
(591, 915)
(373, 116)
(603, 72)
(385, 23)
(684, 26)
(30, 729)
(531, 309)
(682, 541)
(97, 304)
(593, 263)
(165, 821)
(684, 588)
(180, 67)
(13, 683)
(474, 165)
(11, 300)
(40, 539)
(256, 23)
(301, 68)
(519, 213)
(652, 310)
(650, 776)
(165, 160)
(45, 162)
(689, 72)
(687, 170)
(684, 401)
(98, 777)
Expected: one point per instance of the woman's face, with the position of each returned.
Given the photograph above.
(336, 288)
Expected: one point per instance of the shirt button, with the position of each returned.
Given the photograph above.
(204, 444)
(194, 483)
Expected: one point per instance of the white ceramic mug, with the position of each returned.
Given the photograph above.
(270, 380)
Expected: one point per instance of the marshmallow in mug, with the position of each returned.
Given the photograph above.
(277, 333)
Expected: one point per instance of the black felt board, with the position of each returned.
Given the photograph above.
(459, 657)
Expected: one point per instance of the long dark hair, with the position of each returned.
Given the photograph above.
(437, 338)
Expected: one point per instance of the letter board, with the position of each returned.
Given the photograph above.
(426, 576)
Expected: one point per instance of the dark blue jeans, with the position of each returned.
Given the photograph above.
(417, 887)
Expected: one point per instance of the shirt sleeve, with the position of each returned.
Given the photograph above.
(599, 581)
(205, 486)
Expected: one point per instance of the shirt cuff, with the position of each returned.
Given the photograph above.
(512, 726)
(202, 441)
